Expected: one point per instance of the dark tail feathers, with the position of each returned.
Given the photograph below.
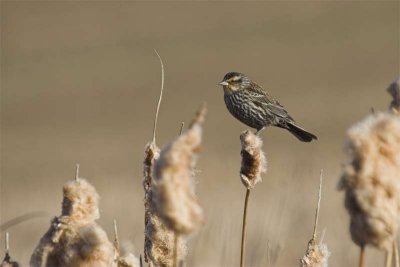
(300, 133)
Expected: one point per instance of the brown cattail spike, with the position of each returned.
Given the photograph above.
(371, 180)
(317, 253)
(254, 162)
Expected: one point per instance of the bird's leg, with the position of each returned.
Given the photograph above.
(259, 130)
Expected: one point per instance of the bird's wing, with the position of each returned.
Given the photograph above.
(262, 98)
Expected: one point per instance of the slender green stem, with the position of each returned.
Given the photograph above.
(243, 248)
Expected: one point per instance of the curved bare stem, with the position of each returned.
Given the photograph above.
(160, 98)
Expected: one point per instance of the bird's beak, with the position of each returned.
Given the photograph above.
(223, 83)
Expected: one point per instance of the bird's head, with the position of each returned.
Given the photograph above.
(234, 81)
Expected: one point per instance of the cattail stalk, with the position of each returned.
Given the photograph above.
(159, 240)
(361, 258)
(252, 166)
(243, 243)
(176, 244)
(396, 254)
(160, 98)
(317, 253)
(388, 257)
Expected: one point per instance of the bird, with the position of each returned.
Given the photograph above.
(252, 105)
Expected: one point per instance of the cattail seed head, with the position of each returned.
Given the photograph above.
(159, 239)
(124, 257)
(371, 180)
(316, 255)
(254, 162)
(80, 202)
(175, 198)
(74, 238)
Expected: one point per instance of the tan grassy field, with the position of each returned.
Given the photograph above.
(80, 81)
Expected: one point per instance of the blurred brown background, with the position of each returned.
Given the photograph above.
(80, 81)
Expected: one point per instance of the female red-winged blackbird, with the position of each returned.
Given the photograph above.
(249, 103)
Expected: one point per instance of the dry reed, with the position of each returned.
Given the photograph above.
(159, 240)
(74, 238)
(7, 261)
(317, 253)
(371, 181)
(252, 166)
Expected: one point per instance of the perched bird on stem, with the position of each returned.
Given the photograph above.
(250, 104)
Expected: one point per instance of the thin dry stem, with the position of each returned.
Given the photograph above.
(116, 239)
(317, 253)
(318, 206)
(361, 259)
(22, 218)
(160, 98)
(389, 257)
(396, 254)
(243, 243)
(176, 245)
(7, 243)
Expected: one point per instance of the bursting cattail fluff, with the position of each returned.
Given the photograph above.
(316, 255)
(125, 258)
(159, 239)
(176, 201)
(371, 180)
(254, 162)
(74, 238)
